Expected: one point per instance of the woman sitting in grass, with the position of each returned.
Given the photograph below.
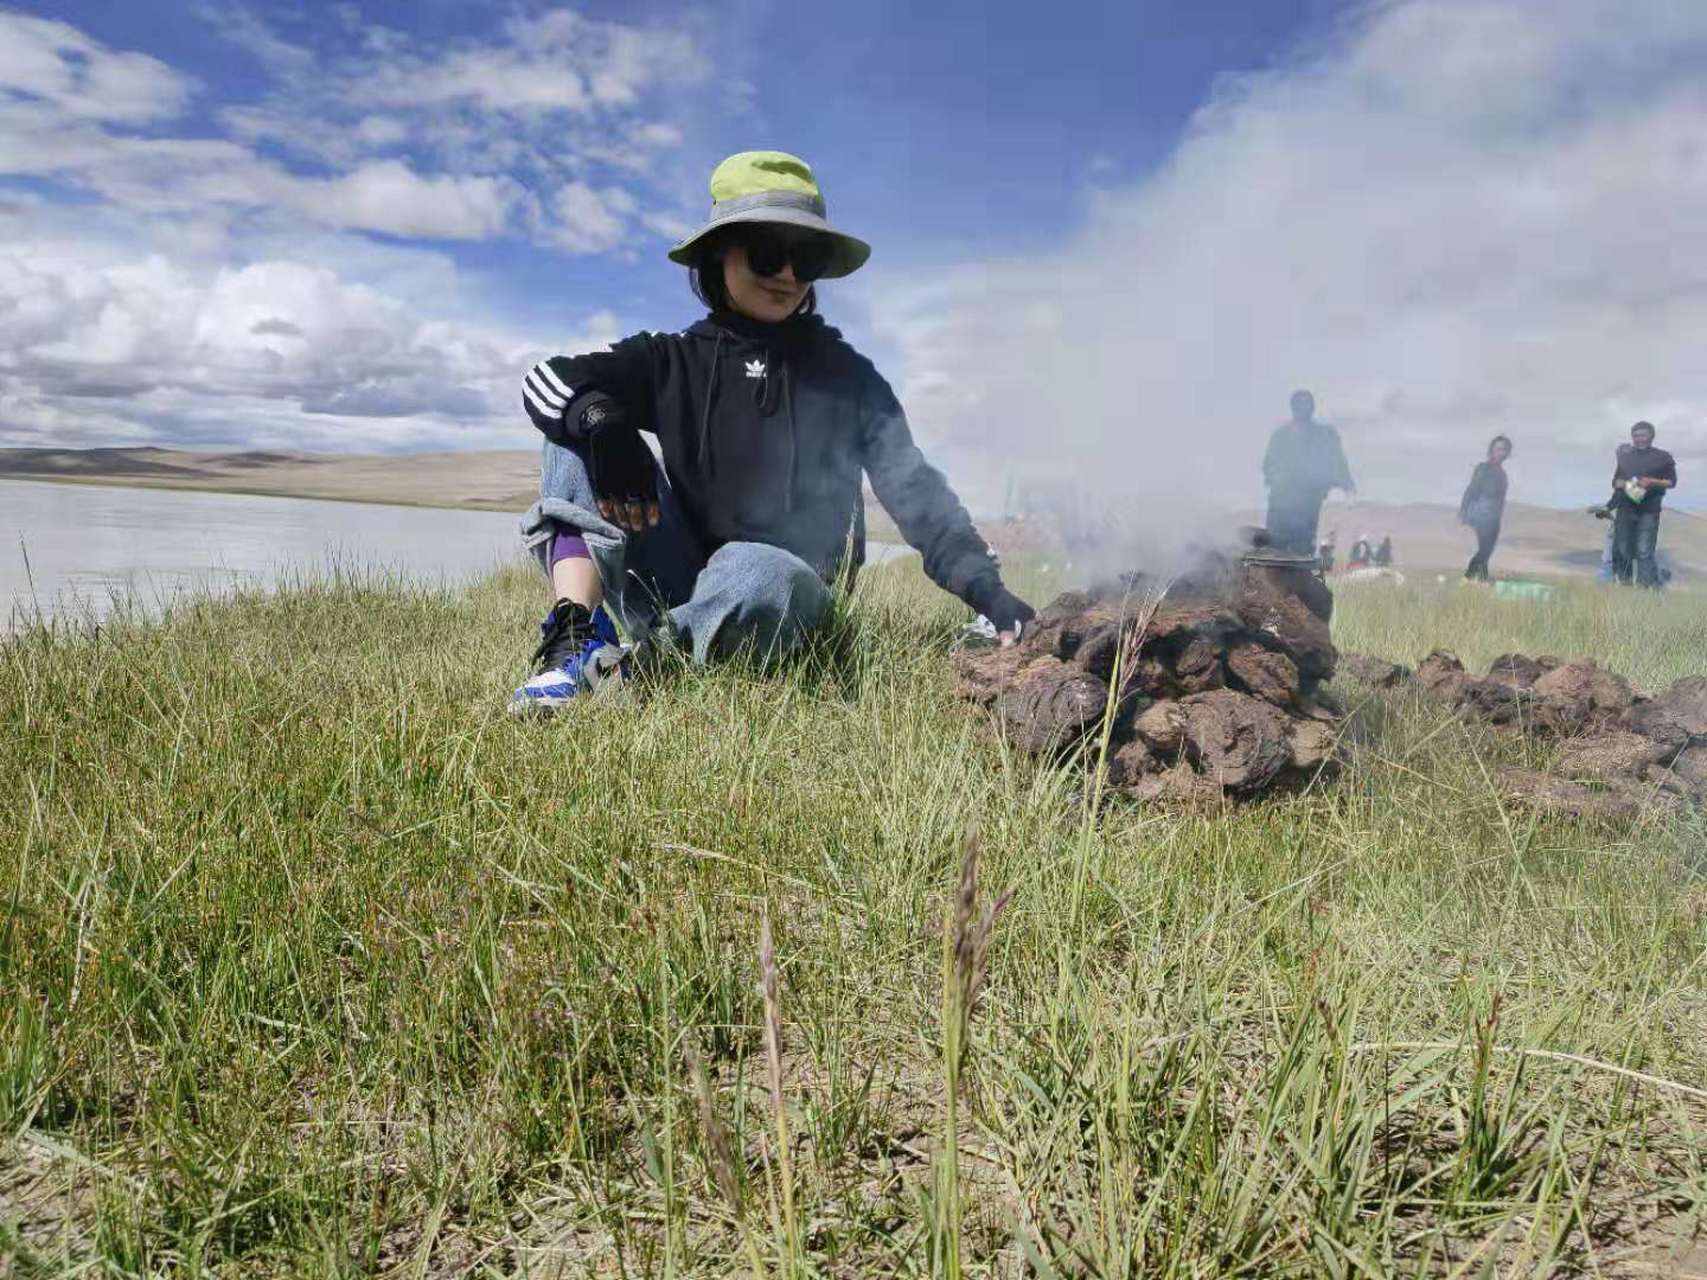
(767, 422)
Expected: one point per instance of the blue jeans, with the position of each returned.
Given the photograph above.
(743, 594)
(1634, 540)
(1487, 538)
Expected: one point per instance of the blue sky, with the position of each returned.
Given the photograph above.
(348, 226)
(941, 130)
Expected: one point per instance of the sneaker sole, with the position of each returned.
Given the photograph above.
(539, 706)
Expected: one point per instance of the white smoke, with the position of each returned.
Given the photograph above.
(1448, 218)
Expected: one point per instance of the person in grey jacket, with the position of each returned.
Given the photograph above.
(1304, 461)
(1482, 507)
(768, 423)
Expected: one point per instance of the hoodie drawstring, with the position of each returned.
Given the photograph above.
(793, 438)
(765, 398)
(762, 393)
(765, 395)
(705, 416)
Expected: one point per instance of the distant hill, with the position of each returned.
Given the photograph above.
(1426, 536)
(492, 480)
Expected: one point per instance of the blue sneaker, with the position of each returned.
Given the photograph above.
(575, 647)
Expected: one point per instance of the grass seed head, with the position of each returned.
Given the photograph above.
(769, 985)
(722, 1151)
(973, 931)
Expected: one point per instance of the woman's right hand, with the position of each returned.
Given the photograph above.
(623, 472)
(1006, 611)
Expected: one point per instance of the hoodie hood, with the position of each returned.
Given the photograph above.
(793, 335)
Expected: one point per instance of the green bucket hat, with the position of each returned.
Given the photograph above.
(773, 186)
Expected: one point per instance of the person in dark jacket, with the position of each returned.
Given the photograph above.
(1304, 462)
(767, 422)
(1639, 483)
(1384, 552)
(1482, 507)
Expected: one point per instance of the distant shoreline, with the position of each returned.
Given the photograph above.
(476, 480)
(1427, 536)
(189, 486)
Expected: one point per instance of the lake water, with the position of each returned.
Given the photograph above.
(65, 546)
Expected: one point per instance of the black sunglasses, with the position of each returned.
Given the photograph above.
(768, 252)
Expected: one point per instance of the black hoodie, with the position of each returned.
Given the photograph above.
(1483, 503)
(766, 430)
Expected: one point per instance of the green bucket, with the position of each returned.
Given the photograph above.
(1522, 589)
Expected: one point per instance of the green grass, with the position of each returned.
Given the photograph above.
(1653, 638)
(312, 963)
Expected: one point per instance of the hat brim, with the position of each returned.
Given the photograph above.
(848, 257)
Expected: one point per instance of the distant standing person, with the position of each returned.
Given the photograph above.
(1640, 481)
(1303, 463)
(1483, 506)
(1608, 570)
(1325, 554)
(1384, 552)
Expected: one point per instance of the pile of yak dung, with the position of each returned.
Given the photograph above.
(1620, 752)
(1219, 676)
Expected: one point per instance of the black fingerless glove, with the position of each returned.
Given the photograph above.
(1003, 608)
(620, 466)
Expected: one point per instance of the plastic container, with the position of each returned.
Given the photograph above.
(1523, 589)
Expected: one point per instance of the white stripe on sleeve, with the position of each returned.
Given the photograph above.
(543, 369)
(539, 406)
(544, 392)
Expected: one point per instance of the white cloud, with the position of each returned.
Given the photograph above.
(386, 133)
(389, 196)
(495, 79)
(52, 62)
(1451, 218)
(240, 277)
(655, 133)
(100, 343)
(563, 104)
(584, 220)
(669, 225)
(157, 175)
(242, 26)
(381, 131)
